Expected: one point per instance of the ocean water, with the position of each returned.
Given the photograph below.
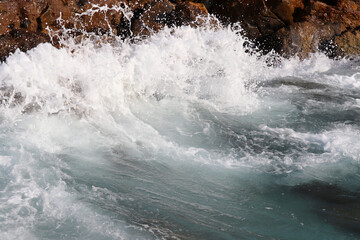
(185, 135)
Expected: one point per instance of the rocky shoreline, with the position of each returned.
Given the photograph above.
(290, 27)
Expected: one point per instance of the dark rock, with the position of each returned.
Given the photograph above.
(154, 18)
(9, 16)
(190, 13)
(294, 27)
(20, 39)
(255, 16)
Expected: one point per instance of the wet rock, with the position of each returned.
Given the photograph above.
(102, 15)
(304, 38)
(290, 27)
(56, 10)
(21, 22)
(286, 11)
(154, 18)
(139, 4)
(30, 14)
(294, 27)
(327, 20)
(347, 44)
(190, 13)
(157, 15)
(9, 16)
(255, 17)
(20, 39)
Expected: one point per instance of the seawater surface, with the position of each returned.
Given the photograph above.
(184, 135)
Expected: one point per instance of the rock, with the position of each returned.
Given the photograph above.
(294, 27)
(285, 10)
(56, 9)
(264, 22)
(290, 27)
(325, 21)
(154, 18)
(304, 38)
(37, 18)
(157, 15)
(190, 13)
(102, 15)
(30, 13)
(20, 39)
(9, 16)
(347, 44)
(139, 4)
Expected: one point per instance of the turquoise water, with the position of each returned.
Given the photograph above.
(181, 136)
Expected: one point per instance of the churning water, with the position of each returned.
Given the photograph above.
(180, 136)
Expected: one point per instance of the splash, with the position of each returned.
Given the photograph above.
(121, 139)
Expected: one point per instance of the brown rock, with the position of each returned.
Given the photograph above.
(190, 13)
(289, 26)
(139, 4)
(9, 16)
(101, 15)
(342, 13)
(255, 16)
(326, 20)
(293, 26)
(347, 44)
(153, 19)
(56, 9)
(285, 10)
(20, 39)
(30, 12)
(304, 38)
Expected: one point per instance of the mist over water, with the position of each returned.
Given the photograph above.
(183, 135)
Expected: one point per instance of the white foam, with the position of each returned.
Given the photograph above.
(337, 144)
(5, 161)
(187, 64)
(140, 99)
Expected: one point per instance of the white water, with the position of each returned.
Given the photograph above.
(182, 135)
